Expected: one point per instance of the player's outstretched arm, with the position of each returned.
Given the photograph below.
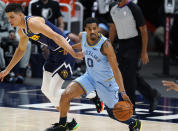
(41, 27)
(75, 46)
(19, 53)
(171, 84)
(78, 46)
(108, 50)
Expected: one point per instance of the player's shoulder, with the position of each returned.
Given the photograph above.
(20, 32)
(106, 44)
(35, 20)
(106, 47)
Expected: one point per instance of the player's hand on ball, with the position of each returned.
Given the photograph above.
(126, 98)
(3, 74)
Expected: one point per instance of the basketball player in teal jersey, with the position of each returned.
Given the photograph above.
(58, 67)
(102, 74)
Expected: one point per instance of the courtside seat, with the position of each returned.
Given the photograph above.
(78, 17)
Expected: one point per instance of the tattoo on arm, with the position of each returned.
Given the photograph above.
(104, 46)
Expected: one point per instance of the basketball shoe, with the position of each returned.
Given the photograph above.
(135, 126)
(69, 126)
(99, 104)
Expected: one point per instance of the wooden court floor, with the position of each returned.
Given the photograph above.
(25, 108)
(14, 119)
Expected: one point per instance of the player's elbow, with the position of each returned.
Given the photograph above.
(21, 50)
(56, 38)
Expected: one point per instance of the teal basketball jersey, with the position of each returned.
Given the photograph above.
(97, 64)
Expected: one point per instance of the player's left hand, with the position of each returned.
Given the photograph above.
(126, 98)
(144, 57)
(171, 84)
(3, 74)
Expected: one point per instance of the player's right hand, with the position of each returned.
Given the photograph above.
(126, 98)
(171, 84)
(79, 55)
(3, 74)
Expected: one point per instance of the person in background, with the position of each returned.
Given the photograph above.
(48, 9)
(104, 29)
(130, 27)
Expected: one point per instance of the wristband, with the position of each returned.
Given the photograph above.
(123, 92)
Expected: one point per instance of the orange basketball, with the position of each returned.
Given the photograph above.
(123, 110)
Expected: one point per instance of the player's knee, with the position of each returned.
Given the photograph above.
(65, 97)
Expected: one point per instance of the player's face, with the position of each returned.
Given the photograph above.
(92, 31)
(14, 18)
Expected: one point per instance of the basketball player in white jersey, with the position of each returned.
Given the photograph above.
(102, 74)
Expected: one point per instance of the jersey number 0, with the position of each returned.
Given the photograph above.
(89, 62)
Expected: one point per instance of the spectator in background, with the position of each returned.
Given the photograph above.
(3, 32)
(102, 10)
(88, 4)
(48, 9)
(5, 27)
(104, 29)
(130, 26)
(24, 3)
(9, 43)
(2, 60)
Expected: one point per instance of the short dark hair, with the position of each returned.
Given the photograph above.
(90, 20)
(13, 7)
